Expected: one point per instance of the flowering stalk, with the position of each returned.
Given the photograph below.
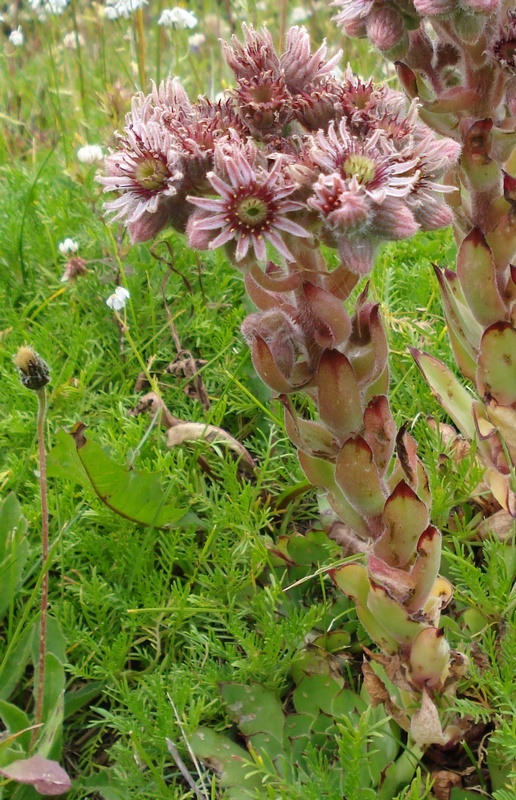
(34, 375)
(290, 160)
(464, 77)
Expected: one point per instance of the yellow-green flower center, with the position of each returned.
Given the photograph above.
(151, 173)
(360, 167)
(252, 211)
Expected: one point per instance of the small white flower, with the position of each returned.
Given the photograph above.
(16, 37)
(90, 153)
(68, 246)
(298, 15)
(117, 301)
(43, 8)
(70, 40)
(122, 8)
(179, 17)
(196, 41)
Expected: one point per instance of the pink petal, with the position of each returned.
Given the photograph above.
(242, 246)
(287, 225)
(224, 236)
(276, 240)
(259, 247)
(208, 203)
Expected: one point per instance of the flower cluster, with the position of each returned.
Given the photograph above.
(116, 9)
(43, 8)
(291, 152)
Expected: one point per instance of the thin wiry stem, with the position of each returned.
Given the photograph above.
(42, 408)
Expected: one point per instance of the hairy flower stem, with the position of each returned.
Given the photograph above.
(42, 410)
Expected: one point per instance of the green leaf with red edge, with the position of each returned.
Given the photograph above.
(394, 618)
(380, 431)
(405, 517)
(339, 399)
(137, 495)
(453, 397)
(267, 368)
(496, 374)
(357, 475)
(321, 472)
(477, 274)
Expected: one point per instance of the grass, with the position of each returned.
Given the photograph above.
(155, 620)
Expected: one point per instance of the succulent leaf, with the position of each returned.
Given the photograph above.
(339, 400)
(455, 400)
(311, 437)
(429, 658)
(405, 517)
(477, 274)
(394, 618)
(425, 569)
(267, 368)
(496, 373)
(357, 476)
(331, 312)
(255, 709)
(236, 773)
(380, 431)
(466, 329)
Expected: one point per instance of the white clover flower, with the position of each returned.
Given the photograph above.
(196, 41)
(117, 301)
(90, 153)
(122, 8)
(68, 246)
(16, 37)
(178, 17)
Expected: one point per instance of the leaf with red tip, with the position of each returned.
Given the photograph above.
(330, 311)
(394, 618)
(406, 455)
(453, 397)
(496, 374)
(352, 580)
(312, 437)
(267, 368)
(405, 517)
(477, 274)
(367, 347)
(407, 79)
(397, 582)
(46, 776)
(358, 477)
(426, 567)
(505, 420)
(466, 330)
(380, 431)
(340, 404)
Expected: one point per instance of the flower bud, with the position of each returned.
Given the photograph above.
(33, 370)
(385, 27)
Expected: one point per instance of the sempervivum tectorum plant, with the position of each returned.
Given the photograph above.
(345, 165)
(303, 339)
(464, 77)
